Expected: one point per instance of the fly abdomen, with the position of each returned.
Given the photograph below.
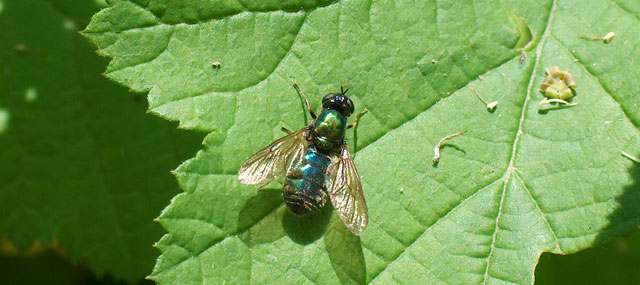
(303, 196)
(303, 189)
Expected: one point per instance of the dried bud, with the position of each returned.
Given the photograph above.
(558, 84)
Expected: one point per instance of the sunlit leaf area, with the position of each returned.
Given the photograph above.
(500, 143)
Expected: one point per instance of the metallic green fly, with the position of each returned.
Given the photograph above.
(316, 163)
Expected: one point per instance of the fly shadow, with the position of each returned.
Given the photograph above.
(265, 219)
(345, 252)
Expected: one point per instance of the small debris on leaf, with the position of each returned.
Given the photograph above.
(559, 84)
(490, 105)
(436, 150)
(634, 158)
(606, 39)
(522, 57)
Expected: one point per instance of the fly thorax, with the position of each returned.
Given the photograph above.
(329, 128)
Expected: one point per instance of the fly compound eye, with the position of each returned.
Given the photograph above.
(326, 99)
(329, 101)
(349, 108)
(338, 102)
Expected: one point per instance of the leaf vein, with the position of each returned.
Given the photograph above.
(436, 222)
(624, 110)
(575, 207)
(190, 219)
(542, 214)
(209, 91)
(429, 107)
(149, 60)
(511, 168)
(230, 235)
(626, 10)
(213, 18)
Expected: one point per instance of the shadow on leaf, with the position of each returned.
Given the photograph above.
(309, 228)
(626, 218)
(258, 207)
(553, 108)
(259, 217)
(267, 219)
(345, 252)
(613, 260)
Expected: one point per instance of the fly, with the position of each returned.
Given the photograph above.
(316, 164)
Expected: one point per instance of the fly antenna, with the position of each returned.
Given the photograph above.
(343, 91)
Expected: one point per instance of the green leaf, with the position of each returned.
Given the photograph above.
(80, 162)
(523, 180)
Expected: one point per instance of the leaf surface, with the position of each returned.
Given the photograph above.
(80, 162)
(523, 180)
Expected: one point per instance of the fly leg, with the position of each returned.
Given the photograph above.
(286, 130)
(306, 101)
(354, 125)
(355, 121)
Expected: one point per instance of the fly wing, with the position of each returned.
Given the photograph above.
(345, 190)
(273, 161)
